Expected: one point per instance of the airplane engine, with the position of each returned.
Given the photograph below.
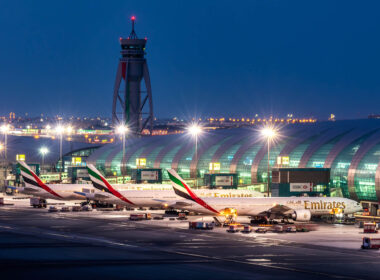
(301, 215)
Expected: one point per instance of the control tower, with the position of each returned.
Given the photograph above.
(132, 100)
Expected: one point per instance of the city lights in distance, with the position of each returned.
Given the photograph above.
(69, 129)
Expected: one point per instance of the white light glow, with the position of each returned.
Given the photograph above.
(59, 129)
(69, 129)
(122, 129)
(269, 132)
(44, 150)
(194, 129)
(4, 128)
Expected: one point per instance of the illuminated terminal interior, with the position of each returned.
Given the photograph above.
(350, 148)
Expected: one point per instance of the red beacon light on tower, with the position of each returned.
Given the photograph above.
(133, 18)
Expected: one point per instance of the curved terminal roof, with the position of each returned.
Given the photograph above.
(350, 148)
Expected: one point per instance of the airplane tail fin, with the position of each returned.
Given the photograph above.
(183, 190)
(180, 187)
(97, 178)
(31, 179)
(102, 184)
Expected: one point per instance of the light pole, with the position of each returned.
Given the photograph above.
(194, 130)
(60, 130)
(43, 152)
(270, 134)
(4, 129)
(122, 130)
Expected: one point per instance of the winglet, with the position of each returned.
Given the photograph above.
(30, 178)
(183, 190)
(102, 184)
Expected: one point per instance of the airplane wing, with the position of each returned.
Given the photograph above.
(30, 189)
(277, 211)
(173, 204)
(99, 196)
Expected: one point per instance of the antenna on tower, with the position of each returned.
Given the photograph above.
(133, 33)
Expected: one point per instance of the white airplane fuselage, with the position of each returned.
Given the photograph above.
(255, 206)
(159, 198)
(65, 191)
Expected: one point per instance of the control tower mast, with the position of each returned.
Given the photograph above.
(129, 105)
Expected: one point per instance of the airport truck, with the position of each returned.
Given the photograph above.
(37, 202)
(370, 228)
(140, 217)
(201, 225)
(371, 243)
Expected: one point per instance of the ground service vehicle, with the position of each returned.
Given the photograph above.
(65, 209)
(140, 217)
(278, 228)
(76, 208)
(371, 243)
(261, 230)
(290, 229)
(233, 229)
(370, 228)
(201, 225)
(53, 209)
(182, 216)
(247, 229)
(37, 202)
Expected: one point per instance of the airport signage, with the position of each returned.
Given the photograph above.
(76, 160)
(20, 157)
(283, 160)
(82, 173)
(224, 181)
(140, 162)
(214, 166)
(149, 175)
(301, 187)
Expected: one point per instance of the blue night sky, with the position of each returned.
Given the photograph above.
(206, 58)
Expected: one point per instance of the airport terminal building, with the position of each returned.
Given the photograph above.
(350, 149)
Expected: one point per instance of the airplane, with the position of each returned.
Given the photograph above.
(35, 187)
(296, 208)
(147, 198)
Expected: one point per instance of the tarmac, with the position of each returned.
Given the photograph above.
(97, 245)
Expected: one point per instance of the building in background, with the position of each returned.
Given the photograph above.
(350, 149)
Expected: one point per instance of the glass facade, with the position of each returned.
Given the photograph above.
(245, 164)
(365, 174)
(262, 170)
(296, 155)
(319, 157)
(340, 166)
(205, 158)
(227, 156)
(166, 162)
